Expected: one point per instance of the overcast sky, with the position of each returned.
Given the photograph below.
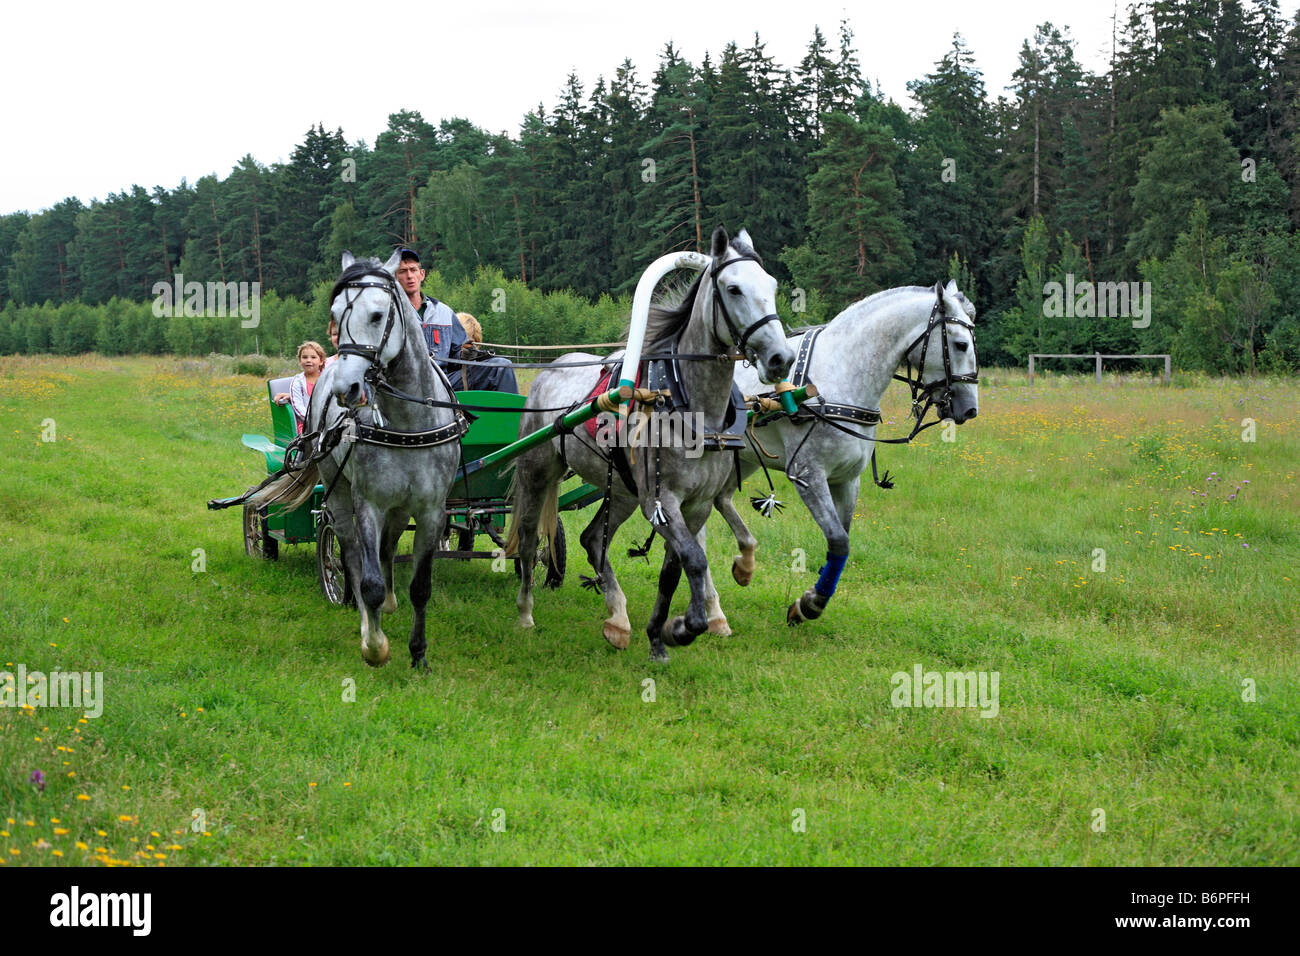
(99, 96)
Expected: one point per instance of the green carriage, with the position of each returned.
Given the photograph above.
(476, 506)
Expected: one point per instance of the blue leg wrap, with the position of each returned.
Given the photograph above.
(830, 576)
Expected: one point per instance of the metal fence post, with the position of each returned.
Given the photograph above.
(1098, 368)
(1031, 369)
(1168, 368)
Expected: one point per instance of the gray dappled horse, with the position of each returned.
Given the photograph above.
(856, 354)
(405, 454)
(731, 307)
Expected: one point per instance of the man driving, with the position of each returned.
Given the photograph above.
(445, 336)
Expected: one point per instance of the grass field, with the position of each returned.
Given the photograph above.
(1149, 712)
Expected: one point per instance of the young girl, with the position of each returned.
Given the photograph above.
(311, 358)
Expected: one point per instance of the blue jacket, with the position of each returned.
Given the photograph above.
(443, 332)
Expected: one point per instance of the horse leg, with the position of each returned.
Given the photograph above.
(742, 565)
(712, 606)
(371, 590)
(535, 474)
(817, 496)
(426, 542)
(392, 533)
(845, 497)
(670, 573)
(684, 628)
(616, 629)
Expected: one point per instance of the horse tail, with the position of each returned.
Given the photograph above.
(512, 533)
(551, 511)
(547, 521)
(290, 490)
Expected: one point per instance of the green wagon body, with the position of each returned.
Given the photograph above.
(476, 504)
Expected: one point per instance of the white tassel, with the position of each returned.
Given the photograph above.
(765, 506)
(658, 516)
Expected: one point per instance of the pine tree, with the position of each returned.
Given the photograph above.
(1191, 161)
(670, 209)
(299, 192)
(11, 227)
(40, 268)
(396, 170)
(857, 242)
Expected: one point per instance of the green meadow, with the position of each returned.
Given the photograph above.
(1124, 555)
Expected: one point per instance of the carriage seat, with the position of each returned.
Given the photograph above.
(283, 427)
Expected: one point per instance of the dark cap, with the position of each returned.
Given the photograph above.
(409, 254)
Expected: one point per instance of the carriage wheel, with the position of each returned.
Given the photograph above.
(553, 556)
(258, 542)
(330, 567)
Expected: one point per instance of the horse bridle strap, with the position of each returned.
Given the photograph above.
(370, 353)
(738, 337)
(925, 390)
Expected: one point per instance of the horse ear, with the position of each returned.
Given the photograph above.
(951, 287)
(348, 258)
(938, 291)
(718, 245)
(394, 261)
(743, 236)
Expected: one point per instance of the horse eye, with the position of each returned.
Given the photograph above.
(734, 289)
(961, 346)
(376, 316)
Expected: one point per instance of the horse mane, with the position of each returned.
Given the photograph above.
(670, 311)
(876, 299)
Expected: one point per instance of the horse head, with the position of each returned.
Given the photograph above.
(370, 311)
(945, 354)
(744, 294)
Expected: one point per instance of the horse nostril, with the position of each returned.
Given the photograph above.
(972, 413)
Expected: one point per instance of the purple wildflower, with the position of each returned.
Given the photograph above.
(38, 779)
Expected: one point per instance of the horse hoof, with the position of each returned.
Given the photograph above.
(420, 665)
(742, 575)
(675, 632)
(379, 659)
(657, 654)
(390, 603)
(618, 636)
(809, 607)
(525, 621)
(720, 627)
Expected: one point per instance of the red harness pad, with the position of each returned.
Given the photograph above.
(603, 385)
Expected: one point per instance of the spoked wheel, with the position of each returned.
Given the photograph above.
(258, 542)
(456, 540)
(553, 556)
(330, 567)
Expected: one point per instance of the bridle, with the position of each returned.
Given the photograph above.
(370, 353)
(738, 336)
(375, 432)
(924, 393)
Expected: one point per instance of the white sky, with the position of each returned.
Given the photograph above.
(99, 96)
